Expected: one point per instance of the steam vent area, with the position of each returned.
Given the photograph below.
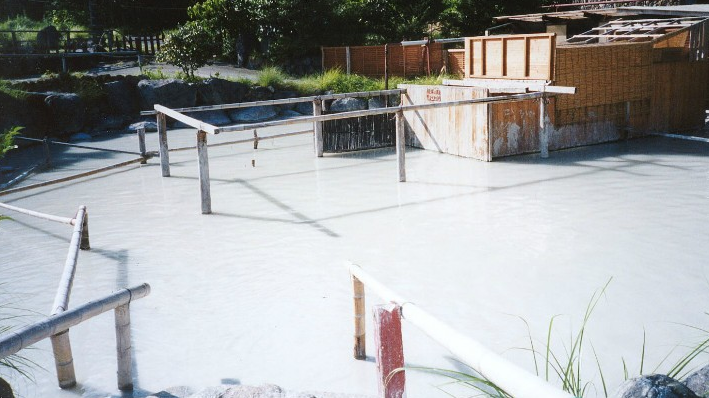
(544, 210)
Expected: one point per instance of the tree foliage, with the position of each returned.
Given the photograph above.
(189, 47)
(7, 140)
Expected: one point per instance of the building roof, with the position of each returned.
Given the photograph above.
(679, 11)
(564, 15)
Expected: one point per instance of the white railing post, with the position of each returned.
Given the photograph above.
(360, 351)
(203, 156)
(141, 144)
(63, 359)
(390, 351)
(164, 152)
(85, 243)
(123, 347)
(317, 127)
(543, 127)
(401, 145)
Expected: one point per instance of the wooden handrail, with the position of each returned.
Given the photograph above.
(43, 216)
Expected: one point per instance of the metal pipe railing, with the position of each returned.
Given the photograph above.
(511, 378)
(43, 216)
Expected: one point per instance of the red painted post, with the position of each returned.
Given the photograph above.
(390, 351)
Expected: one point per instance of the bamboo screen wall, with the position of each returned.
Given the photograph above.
(369, 60)
(456, 62)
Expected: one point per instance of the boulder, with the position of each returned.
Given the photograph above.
(215, 91)
(215, 118)
(148, 126)
(172, 93)
(699, 381)
(28, 111)
(173, 392)
(121, 97)
(254, 114)
(264, 391)
(304, 108)
(287, 114)
(654, 386)
(348, 105)
(259, 93)
(78, 137)
(110, 122)
(376, 102)
(286, 94)
(5, 389)
(68, 112)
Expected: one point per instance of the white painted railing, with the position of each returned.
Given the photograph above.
(509, 377)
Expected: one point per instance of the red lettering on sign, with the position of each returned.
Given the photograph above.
(433, 94)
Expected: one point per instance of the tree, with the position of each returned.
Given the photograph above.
(189, 47)
(472, 17)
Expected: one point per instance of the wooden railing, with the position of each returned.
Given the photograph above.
(389, 344)
(77, 41)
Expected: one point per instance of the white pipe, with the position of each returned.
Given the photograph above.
(48, 217)
(61, 300)
(513, 379)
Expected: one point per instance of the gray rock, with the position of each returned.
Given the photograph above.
(29, 112)
(172, 93)
(215, 91)
(121, 97)
(305, 108)
(287, 114)
(210, 392)
(253, 115)
(216, 117)
(260, 94)
(394, 100)
(78, 137)
(148, 126)
(68, 112)
(5, 389)
(699, 381)
(286, 94)
(173, 392)
(264, 391)
(376, 102)
(111, 122)
(654, 386)
(348, 105)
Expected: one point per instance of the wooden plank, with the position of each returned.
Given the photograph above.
(390, 351)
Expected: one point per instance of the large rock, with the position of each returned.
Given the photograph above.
(122, 98)
(146, 125)
(215, 118)
(699, 381)
(68, 112)
(348, 105)
(47, 39)
(28, 111)
(260, 93)
(172, 93)
(284, 95)
(173, 392)
(215, 91)
(5, 389)
(654, 386)
(305, 108)
(254, 114)
(376, 102)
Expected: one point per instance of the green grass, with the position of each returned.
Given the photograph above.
(16, 363)
(7, 88)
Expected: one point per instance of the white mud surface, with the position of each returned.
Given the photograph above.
(257, 291)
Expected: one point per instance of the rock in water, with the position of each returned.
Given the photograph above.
(172, 93)
(253, 115)
(348, 105)
(699, 381)
(121, 97)
(305, 108)
(376, 102)
(219, 91)
(148, 126)
(654, 386)
(68, 112)
(5, 389)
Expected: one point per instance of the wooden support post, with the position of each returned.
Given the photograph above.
(348, 60)
(400, 145)
(317, 128)
(47, 153)
(85, 243)
(360, 351)
(63, 359)
(164, 154)
(543, 127)
(123, 348)
(206, 196)
(141, 144)
(390, 351)
(255, 139)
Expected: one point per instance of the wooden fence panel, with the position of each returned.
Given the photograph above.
(403, 61)
(510, 56)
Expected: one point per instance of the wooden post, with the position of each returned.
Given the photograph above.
(204, 172)
(255, 139)
(400, 145)
(123, 348)
(348, 60)
(141, 144)
(47, 153)
(63, 359)
(85, 243)
(360, 351)
(390, 351)
(317, 127)
(543, 127)
(164, 154)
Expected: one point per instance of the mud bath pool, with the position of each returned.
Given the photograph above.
(257, 292)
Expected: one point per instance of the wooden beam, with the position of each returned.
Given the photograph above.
(318, 128)
(390, 351)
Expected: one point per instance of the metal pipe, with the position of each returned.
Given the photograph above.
(61, 300)
(12, 342)
(77, 146)
(511, 378)
(246, 140)
(48, 217)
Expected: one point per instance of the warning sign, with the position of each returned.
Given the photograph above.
(433, 94)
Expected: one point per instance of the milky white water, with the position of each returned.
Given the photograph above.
(257, 291)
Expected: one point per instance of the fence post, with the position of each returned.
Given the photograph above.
(348, 60)
(543, 127)
(63, 359)
(141, 144)
(123, 347)
(317, 127)
(255, 139)
(85, 243)
(360, 351)
(204, 172)
(400, 145)
(164, 154)
(47, 152)
(390, 351)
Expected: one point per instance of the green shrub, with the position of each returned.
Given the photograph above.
(272, 76)
(189, 47)
(7, 140)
